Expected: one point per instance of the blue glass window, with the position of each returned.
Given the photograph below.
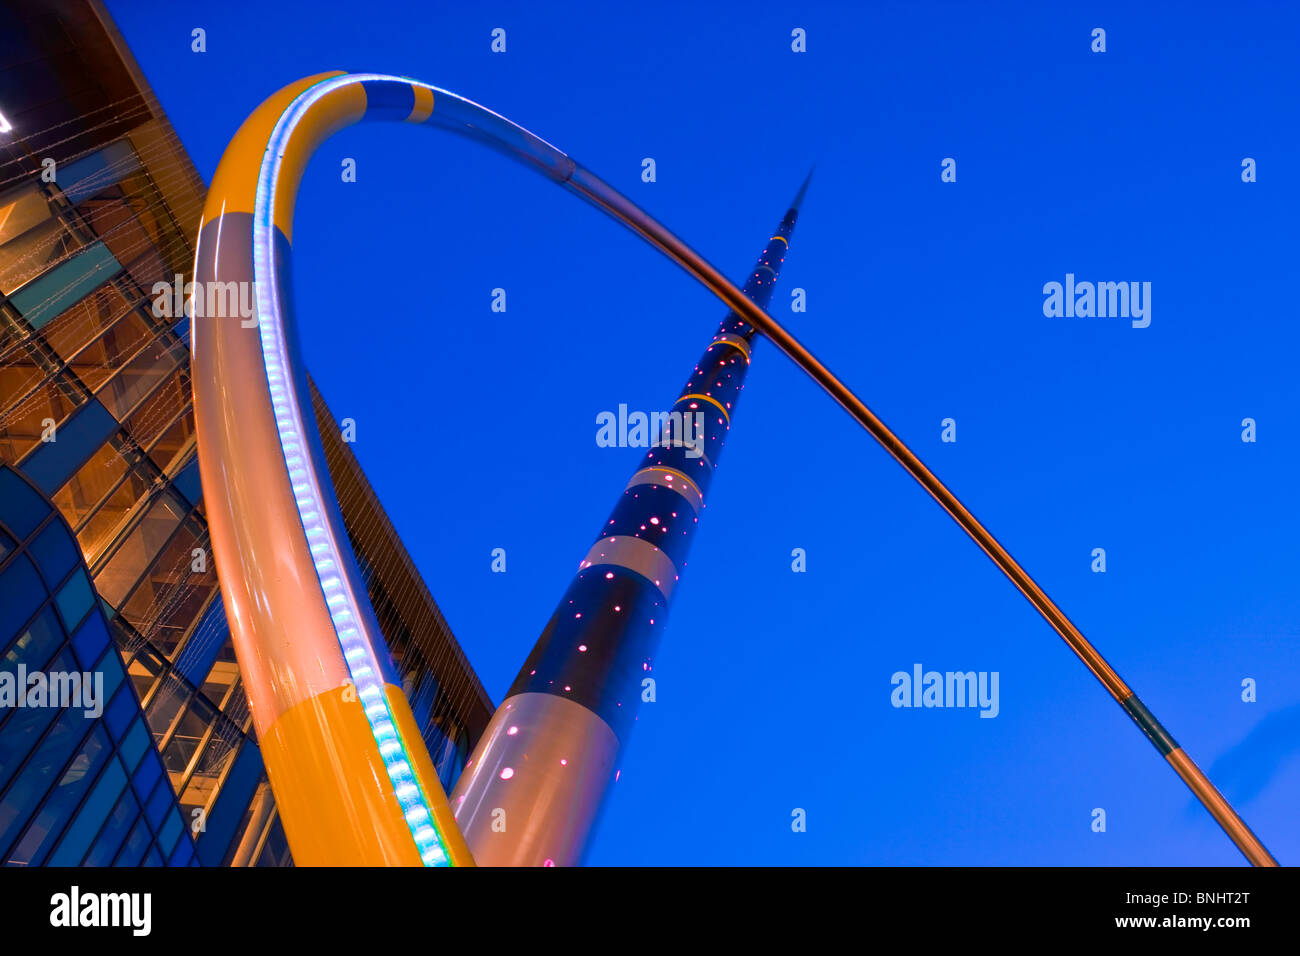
(59, 805)
(136, 844)
(119, 712)
(114, 832)
(146, 775)
(66, 284)
(111, 667)
(161, 799)
(42, 770)
(232, 802)
(19, 734)
(51, 464)
(134, 744)
(90, 640)
(170, 831)
(74, 599)
(21, 508)
(54, 552)
(35, 645)
(187, 482)
(21, 593)
(91, 817)
(82, 178)
(183, 853)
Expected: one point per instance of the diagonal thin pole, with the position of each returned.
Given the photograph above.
(604, 197)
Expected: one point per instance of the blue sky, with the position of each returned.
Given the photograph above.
(1072, 433)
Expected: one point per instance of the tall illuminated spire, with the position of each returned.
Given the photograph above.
(533, 785)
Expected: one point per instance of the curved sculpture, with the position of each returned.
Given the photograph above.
(350, 773)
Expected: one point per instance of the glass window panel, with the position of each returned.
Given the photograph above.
(170, 596)
(122, 230)
(54, 552)
(98, 335)
(219, 681)
(99, 171)
(170, 831)
(156, 415)
(252, 824)
(21, 593)
(90, 640)
(146, 775)
(144, 670)
(159, 802)
(119, 712)
(91, 483)
(136, 845)
(45, 767)
(236, 708)
(52, 463)
(134, 744)
(187, 479)
(138, 378)
(422, 701)
(205, 781)
(137, 552)
(24, 726)
(21, 508)
(167, 703)
(21, 371)
(42, 299)
(35, 645)
(20, 210)
(114, 831)
(21, 428)
(107, 521)
(187, 738)
(110, 665)
(28, 255)
(275, 851)
(74, 599)
(90, 817)
(183, 853)
(50, 819)
(172, 447)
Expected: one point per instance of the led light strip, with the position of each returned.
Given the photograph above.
(358, 651)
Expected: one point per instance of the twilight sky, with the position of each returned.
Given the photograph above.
(1073, 433)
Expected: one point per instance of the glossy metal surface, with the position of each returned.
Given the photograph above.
(529, 795)
(275, 608)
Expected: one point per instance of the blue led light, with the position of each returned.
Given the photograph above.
(359, 652)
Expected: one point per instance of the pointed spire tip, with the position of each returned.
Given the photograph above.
(798, 199)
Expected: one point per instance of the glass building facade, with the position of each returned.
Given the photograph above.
(79, 781)
(98, 203)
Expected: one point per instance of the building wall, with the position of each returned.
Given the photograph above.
(95, 410)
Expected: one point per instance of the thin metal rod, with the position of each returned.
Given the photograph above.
(604, 197)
